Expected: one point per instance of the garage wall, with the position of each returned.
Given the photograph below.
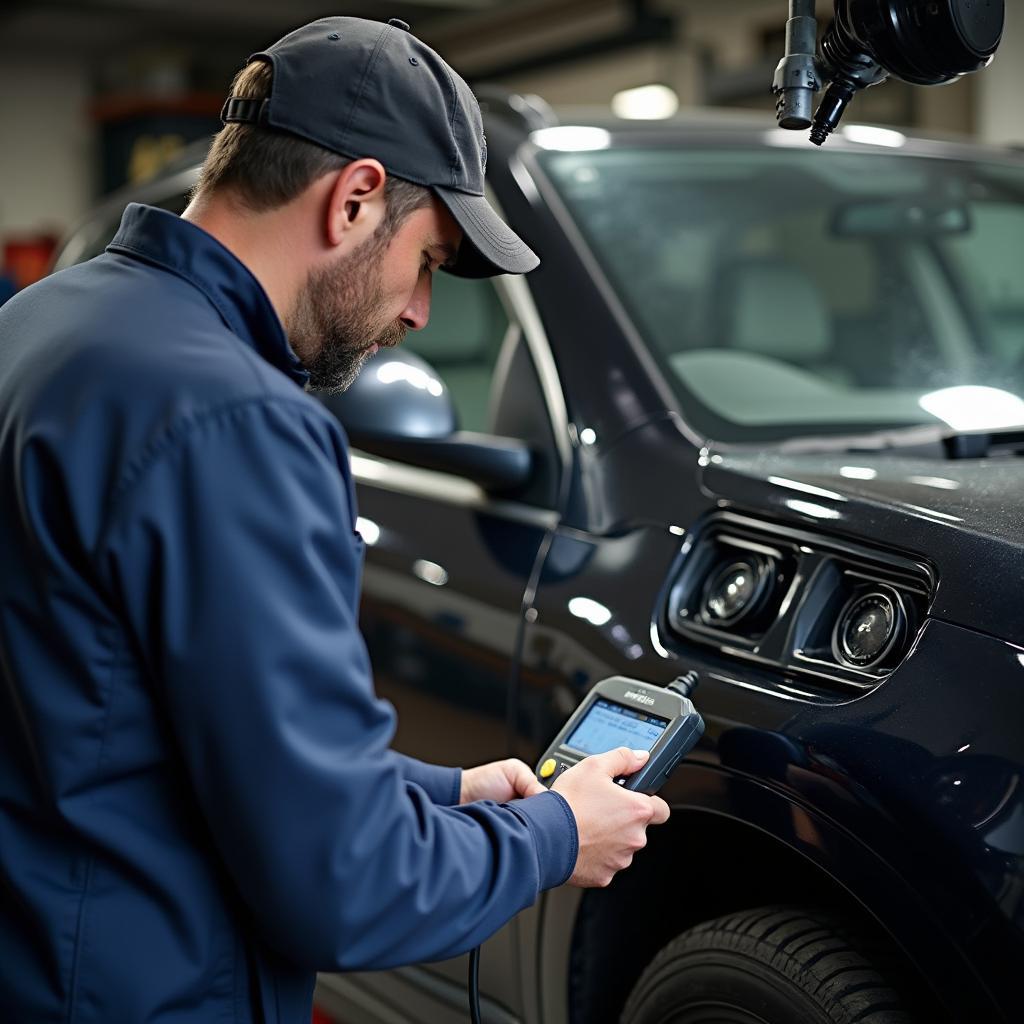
(1000, 87)
(46, 158)
(48, 155)
(595, 82)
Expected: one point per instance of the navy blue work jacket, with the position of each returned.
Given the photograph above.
(198, 804)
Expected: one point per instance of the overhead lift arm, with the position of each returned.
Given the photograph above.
(924, 42)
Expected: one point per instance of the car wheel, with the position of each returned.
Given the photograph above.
(770, 965)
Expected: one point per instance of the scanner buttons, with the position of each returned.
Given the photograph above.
(547, 769)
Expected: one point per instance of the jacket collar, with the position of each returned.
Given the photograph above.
(177, 245)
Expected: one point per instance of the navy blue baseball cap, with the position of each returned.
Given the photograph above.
(367, 89)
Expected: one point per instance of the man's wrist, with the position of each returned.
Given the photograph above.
(556, 837)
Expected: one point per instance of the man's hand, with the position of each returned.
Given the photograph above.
(499, 781)
(611, 821)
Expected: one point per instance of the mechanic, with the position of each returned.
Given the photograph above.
(198, 803)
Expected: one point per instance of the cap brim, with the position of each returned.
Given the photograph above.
(489, 246)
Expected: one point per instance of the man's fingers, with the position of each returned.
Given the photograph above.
(620, 761)
(524, 782)
(661, 811)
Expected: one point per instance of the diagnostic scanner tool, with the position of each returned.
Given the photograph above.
(622, 712)
(619, 712)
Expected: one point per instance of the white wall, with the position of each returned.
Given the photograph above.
(596, 81)
(1001, 86)
(46, 144)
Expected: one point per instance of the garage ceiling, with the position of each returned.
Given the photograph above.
(98, 29)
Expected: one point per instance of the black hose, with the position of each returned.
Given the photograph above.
(474, 986)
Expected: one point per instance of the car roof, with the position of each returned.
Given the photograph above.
(710, 127)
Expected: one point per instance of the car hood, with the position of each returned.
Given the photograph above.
(964, 517)
(981, 495)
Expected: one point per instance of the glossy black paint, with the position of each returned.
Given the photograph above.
(895, 769)
(906, 799)
(442, 647)
(901, 806)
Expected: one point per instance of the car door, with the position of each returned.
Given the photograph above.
(447, 566)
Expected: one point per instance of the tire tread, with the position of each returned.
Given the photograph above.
(815, 950)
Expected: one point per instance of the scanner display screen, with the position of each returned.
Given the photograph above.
(608, 725)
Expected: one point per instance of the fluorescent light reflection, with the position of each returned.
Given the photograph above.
(430, 572)
(629, 646)
(391, 373)
(973, 407)
(588, 435)
(799, 485)
(656, 643)
(941, 482)
(931, 513)
(645, 103)
(589, 610)
(858, 472)
(788, 138)
(368, 530)
(808, 508)
(572, 138)
(868, 135)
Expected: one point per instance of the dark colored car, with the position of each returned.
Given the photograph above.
(757, 416)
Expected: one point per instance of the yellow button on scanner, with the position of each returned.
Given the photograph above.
(547, 769)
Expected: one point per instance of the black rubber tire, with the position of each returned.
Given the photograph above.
(771, 965)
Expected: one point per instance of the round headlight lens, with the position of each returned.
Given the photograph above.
(733, 591)
(867, 628)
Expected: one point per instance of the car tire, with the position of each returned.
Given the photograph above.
(770, 965)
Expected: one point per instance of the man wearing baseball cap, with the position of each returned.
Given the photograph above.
(198, 803)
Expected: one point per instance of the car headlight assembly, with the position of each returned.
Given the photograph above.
(735, 592)
(870, 626)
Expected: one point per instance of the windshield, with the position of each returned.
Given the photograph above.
(787, 292)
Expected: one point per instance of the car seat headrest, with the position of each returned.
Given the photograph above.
(773, 309)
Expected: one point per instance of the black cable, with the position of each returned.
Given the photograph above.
(474, 986)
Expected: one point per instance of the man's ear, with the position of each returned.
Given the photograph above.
(356, 202)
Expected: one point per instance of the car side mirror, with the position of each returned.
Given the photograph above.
(399, 408)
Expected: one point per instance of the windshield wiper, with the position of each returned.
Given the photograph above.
(1006, 441)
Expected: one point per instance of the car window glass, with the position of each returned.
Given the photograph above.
(859, 284)
(461, 341)
(829, 304)
(988, 263)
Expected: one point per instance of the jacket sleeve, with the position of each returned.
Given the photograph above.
(442, 785)
(230, 550)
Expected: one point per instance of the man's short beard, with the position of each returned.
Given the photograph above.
(336, 316)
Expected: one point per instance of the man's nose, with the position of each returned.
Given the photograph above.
(416, 315)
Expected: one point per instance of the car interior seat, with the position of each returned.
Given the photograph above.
(771, 308)
(1006, 329)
